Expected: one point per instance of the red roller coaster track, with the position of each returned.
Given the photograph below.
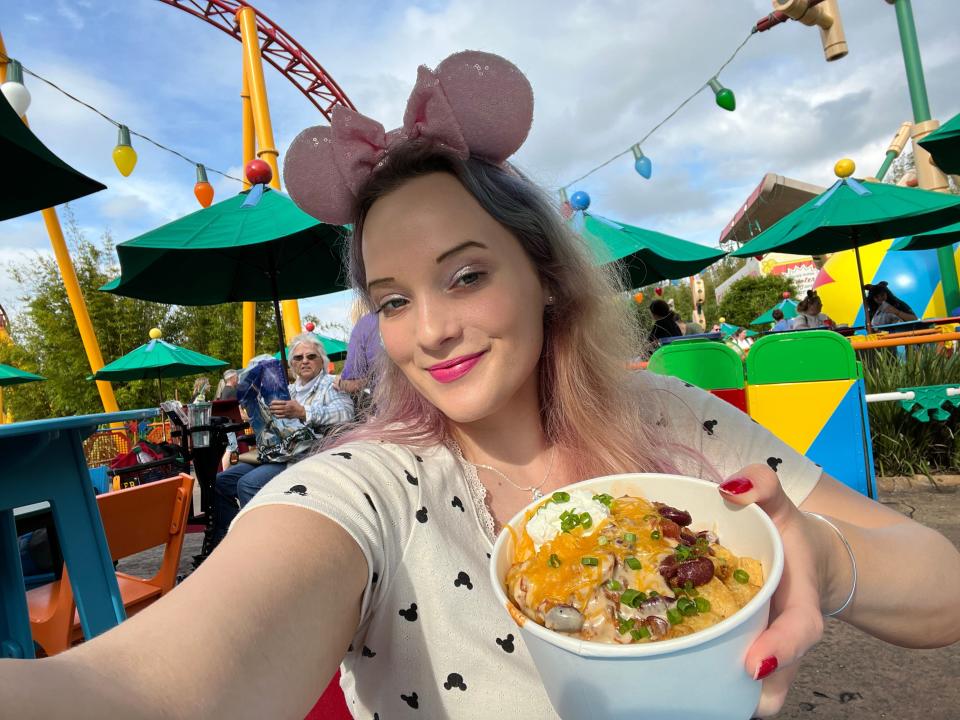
(277, 47)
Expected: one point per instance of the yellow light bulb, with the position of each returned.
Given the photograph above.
(124, 156)
(844, 168)
(155, 334)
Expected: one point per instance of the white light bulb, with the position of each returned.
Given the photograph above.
(17, 95)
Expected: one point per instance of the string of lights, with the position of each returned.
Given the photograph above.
(724, 98)
(124, 156)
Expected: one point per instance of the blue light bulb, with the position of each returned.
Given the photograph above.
(644, 167)
(579, 200)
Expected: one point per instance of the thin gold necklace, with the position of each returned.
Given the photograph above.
(534, 490)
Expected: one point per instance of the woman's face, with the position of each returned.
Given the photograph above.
(460, 303)
(306, 362)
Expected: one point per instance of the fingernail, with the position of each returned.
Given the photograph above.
(736, 486)
(766, 666)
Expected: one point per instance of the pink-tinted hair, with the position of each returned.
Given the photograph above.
(590, 333)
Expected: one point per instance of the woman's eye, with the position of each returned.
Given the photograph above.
(469, 278)
(390, 306)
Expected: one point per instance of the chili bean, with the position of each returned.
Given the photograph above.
(669, 529)
(680, 517)
(698, 571)
(657, 626)
(668, 567)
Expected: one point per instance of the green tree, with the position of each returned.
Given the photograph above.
(750, 296)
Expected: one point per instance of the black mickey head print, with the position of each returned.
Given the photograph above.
(463, 579)
(367, 652)
(297, 490)
(344, 455)
(774, 462)
(419, 459)
(422, 515)
(350, 649)
(411, 479)
(506, 643)
(373, 580)
(488, 556)
(370, 500)
(412, 700)
(410, 613)
(457, 503)
(376, 716)
(686, 384)
(455, 680)
(709, 425)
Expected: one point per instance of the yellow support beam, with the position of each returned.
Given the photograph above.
(249, 343)
(74, 294)
(253, 65)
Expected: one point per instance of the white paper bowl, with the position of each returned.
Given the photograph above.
(699, 676)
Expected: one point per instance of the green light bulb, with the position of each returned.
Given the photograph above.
(724, 96)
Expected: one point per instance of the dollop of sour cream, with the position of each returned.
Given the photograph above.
(544, 526)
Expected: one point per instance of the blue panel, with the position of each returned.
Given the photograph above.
(842, 448)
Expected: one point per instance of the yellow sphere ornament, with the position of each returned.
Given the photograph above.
(844, 168)
(124, 156)
(155, 334)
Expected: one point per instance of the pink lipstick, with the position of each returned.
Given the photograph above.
(451, 370)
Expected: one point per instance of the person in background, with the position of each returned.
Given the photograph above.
(693, 328)
(227, 388)
(810, 313)
(313, 399)
(201, 389)
(885, 307)
(664, 325)
(680, 323)
(780, 323)
(362, 353)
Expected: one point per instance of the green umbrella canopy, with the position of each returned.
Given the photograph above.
(230, 253)
(157, 359)
(42, 180)
(335, 349)
(649, 256)
(788, 306)
(852, 214)
(944, 145)
(12, 376)
(929, 240)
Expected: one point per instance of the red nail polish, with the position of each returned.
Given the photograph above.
(766, 666)
(736, 486)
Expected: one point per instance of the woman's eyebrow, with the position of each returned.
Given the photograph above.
(458, 248)
(379, 281)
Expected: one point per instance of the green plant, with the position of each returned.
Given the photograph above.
(750, 296)
(903, 445)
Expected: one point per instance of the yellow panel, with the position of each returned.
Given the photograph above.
(796, 412)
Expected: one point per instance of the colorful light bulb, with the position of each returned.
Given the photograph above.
(724, 96)
(580, 200)
(14, 90)
(203, 190)
(124, 156)
(642, 163)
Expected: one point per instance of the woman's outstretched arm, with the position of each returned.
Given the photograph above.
(257, 631)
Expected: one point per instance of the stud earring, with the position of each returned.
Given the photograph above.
(549, 299)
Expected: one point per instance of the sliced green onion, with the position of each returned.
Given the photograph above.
(589, 561)
(703, 605)
(655, 535)
(741, 576)
(630, 537)
(586, 521)
(554, 561)
(625, 625)
(614, 585)
(688, 585)
(602, 540)
(654, 593)
(604, 499)
(560, 496)
(631, 598)
(688, 607)
(674, 616)
(633, 563)
(644, 632)
(702, 541)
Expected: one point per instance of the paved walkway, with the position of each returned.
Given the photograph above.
(849, 675)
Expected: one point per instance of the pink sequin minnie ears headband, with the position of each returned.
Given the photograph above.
(474, 104)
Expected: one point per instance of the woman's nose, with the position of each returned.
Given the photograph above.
(437, 323)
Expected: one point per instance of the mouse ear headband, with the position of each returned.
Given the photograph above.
(474, 104)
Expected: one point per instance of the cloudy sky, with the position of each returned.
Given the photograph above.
(603, 73)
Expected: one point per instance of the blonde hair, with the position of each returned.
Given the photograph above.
(590, 331)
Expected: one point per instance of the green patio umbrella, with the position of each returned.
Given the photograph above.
(788, 306)
(851, 214)
(649, 256)
(335, 349)
(929, 240)
(40, 179)
(943, 144)
(235, 250)
(13, 376)
(157, 359)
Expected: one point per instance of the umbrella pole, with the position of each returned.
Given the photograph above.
(863, 298)
(279, 320)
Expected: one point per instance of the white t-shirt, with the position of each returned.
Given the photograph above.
(433, 642)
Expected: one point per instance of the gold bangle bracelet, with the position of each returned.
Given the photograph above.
(853, 563)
